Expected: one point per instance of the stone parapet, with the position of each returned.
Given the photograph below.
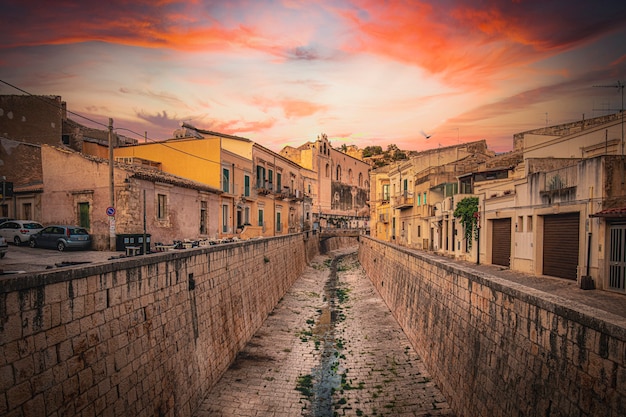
(498, 348)
(142, 336)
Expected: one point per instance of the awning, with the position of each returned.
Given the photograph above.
(612, 213)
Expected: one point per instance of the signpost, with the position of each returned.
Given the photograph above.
(111, 213)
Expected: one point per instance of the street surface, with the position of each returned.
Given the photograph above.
(21, 259)
(330, 348)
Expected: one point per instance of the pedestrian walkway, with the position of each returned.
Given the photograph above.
(593, 302)
(330, 348)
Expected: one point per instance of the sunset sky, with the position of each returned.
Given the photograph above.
(283, 72)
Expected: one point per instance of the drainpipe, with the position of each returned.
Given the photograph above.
(586, 281)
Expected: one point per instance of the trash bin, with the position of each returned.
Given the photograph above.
(131, 239)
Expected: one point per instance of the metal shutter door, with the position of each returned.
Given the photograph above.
(501, 242)
(560, 245)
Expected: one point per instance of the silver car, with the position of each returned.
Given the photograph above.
(19, 231)
(61, 237)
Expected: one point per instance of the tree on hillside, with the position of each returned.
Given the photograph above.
(372, 150)
(394, 153)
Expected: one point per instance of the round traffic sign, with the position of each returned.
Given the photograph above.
(110, 211)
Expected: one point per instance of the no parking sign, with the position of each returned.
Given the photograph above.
(110, 211)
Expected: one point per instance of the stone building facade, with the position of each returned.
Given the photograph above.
(342, 195)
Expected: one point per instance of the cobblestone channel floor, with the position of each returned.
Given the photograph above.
(330, 348)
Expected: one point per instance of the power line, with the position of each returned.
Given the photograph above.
(51, 104)
(106, 126)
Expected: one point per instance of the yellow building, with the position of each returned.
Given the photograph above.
(408, 196)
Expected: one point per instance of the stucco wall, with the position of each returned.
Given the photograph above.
(144, 336)
(497, 348)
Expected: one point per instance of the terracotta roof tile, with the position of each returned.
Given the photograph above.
(615, 212)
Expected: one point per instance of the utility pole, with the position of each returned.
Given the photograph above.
(111, 188)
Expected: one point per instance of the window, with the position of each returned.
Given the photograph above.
(260, 176)
(327, 171)
(225, 180)
(83, 215)
(520, 224)
(424, 200)
(338, 173)
(270, 177)
(246, 215)
(260, 217)
(405, 187)
(419, 231)
(278, 225)
(161, 206)
(419, 200)
(203, 217)
(224, 218)
(309, 192)
(360, 179)
(386, 192)
(529, 223)
(246, 185)
(279, 184)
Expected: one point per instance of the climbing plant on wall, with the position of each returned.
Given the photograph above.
(465, 211)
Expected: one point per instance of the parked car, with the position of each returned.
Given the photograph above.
(19, 231)
(4, 248)
(5, 219)
(61, 237)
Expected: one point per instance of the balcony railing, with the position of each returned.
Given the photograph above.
(383, 216)
(404, 200)
(561, 179)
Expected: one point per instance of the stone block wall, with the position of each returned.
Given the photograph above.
(143, 336)
(497, 348)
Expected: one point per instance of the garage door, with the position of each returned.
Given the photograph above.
(501, 246)
(560, 245)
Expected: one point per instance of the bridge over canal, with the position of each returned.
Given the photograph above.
(154, 335)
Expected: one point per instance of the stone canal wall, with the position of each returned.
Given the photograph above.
(497, 348)
(143, 336)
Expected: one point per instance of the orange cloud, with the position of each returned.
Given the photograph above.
(300, 108)
(291, 107)
(460, 41)
(235, 127)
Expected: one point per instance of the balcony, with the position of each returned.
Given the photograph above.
(560, 181)
(403, 201)
(264, 187)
